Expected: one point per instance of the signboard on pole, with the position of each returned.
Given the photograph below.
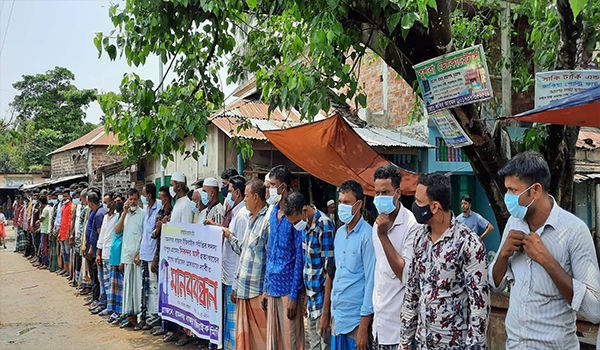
(450, 129)
(17, 181)
(552, 86)
(190, 290)
(455, 79)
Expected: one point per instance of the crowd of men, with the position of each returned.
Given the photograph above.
(417, 279)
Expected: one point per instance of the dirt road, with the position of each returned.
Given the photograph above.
(38, 310)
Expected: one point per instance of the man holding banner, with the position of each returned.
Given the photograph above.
(251, 321)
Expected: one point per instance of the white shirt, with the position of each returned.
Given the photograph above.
(107, 232)
(182, 212)
(133, 227)
(388, 290)
(239, 221)
(538, 315)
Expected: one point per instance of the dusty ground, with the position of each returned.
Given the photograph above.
(38, 310)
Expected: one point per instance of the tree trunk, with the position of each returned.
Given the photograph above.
(561, 141)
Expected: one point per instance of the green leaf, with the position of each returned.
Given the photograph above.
(409, 20)
(333, 3)
(393, 20)
(251, 4)
(362, 100)
(112, 52)
(577, 6)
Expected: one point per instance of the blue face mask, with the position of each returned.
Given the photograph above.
(384, 204)
(194, 207)
(60, 197)
(513, 206)
(71, 193)
(345, 212)
(76, 201)
(53, 201)
(144, 200)
(230, 201)
(204, 197)
(34, 201)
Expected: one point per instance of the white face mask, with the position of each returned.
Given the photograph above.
(172, 192)
(301, 225)
(274, 197)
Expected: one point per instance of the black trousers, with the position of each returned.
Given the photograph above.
(93, 271)
(29, 248)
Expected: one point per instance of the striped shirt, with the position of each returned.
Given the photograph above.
(252, 249)
(538, 316)
(317, 243)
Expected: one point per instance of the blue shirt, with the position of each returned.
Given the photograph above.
(58, 215)
(115, 248)
(148, 245)
(88, 231)
(474, 221)
(283, 275)
(94, 224)
(352, 293)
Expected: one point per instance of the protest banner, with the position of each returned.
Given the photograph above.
(455, 79)
(450, 129)
(190, 291)
(552, 86)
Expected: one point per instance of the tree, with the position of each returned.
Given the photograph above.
(305, 54)
(48, 114)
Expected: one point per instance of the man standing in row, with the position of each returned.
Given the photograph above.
(214, 210)
(131, 225)
(352, 291)
(237, 228)
(317, 243)
(283, 276)
(548, 254)
(393, 236)
(104, 245)
(251, 321)
(65, 229)
(447, 302)
(147, 251)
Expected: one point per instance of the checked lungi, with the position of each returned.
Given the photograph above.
(251, 331)
(149, 294)
(115, 291)
(229, 316)
(21, 240)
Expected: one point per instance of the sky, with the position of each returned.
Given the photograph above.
(43, 34)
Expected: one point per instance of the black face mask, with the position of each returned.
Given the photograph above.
(119, 207)
(422, 214)
(225, 191)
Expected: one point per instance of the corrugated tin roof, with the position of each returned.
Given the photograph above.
(256, 112)
(53, 182)
(588, 139)
(385, 138)
(96, 137)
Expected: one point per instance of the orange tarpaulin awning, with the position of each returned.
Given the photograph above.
(332, 151)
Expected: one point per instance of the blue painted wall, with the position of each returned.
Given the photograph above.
(463, 169)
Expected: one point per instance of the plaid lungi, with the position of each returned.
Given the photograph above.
(251, 331)
(21, 240)
(53, 254)
(115, 291)
(229, 316)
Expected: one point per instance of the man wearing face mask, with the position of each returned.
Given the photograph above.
(114, 293)
(317, 242)
(198, 208)
(92, 231)
(349, 295)
(131, 226)
(181, 211)
(237, 228)
(225, 176)
(105, 239)
(283, 276)
(548, 255)
(149, 317)
(393, 236)
(447, 302)
(210, 197)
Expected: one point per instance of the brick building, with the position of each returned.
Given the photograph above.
(79, 160)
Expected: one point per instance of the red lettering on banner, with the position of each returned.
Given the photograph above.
(186, 284)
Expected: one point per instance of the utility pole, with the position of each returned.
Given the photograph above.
(160, 89)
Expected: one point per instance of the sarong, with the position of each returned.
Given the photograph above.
(251, 325)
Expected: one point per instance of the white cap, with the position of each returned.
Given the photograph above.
(210, 182)
(179, 177)
(330, 202)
